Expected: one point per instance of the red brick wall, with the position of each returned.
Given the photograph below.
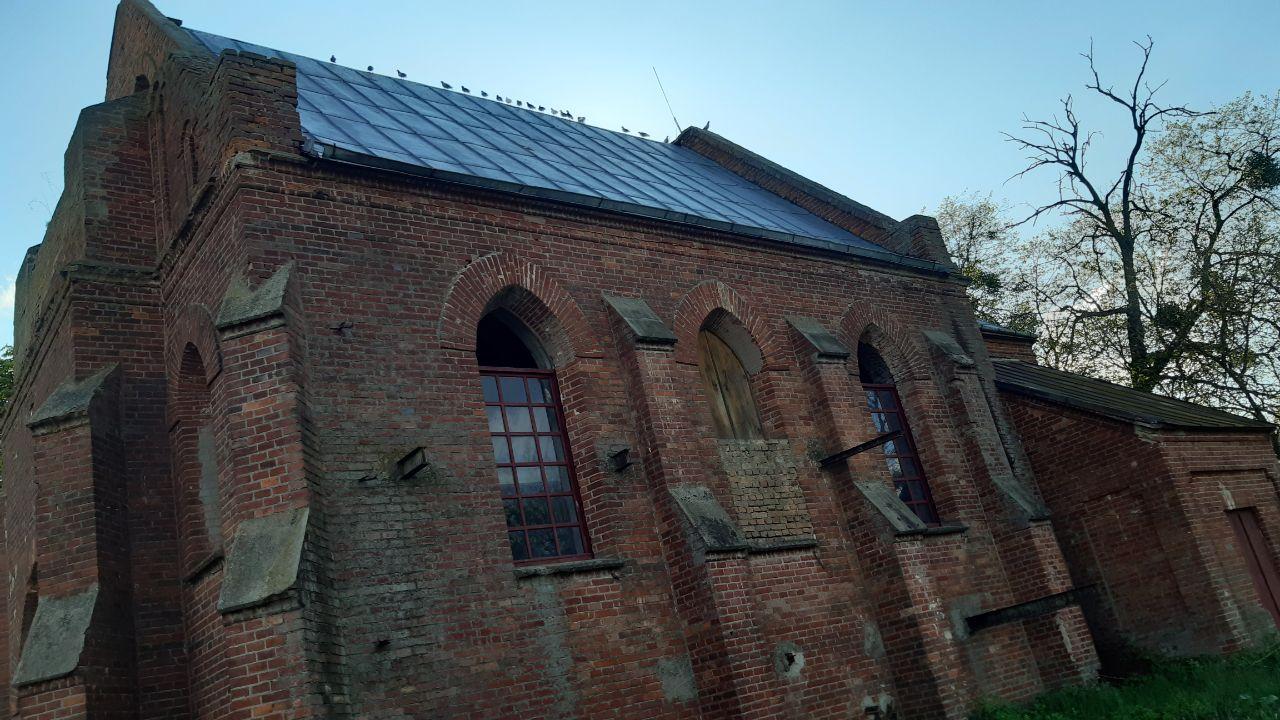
(1143, 520)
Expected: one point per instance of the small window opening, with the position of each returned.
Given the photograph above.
(900, 454)
(535, 471)
(733, 406)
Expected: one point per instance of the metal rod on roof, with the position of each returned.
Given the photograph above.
(664, 97)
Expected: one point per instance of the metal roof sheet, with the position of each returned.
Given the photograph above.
(1111, 400)
(346, 112)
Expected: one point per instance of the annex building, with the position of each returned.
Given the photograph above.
(342, 396)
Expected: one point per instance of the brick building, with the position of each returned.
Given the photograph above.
(343, 396)
(1170, 525)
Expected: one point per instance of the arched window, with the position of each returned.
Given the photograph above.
(900, 453)
(526, 423)
(733, 407)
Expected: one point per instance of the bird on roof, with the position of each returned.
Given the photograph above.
(666, 139)
(582, 118)
(465, 90)
(484, 94)
(643, 134)
(400, 74)
(624, 129)
(498, 98)
(508, 101)
(542, 108)
(566, 113)
(333, 58)
(370, 68)
(554, 111)
(707, 126)
(445, 85)
(519, 103)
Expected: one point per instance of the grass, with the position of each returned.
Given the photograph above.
(1244, 686)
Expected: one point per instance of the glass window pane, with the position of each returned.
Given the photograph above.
(895, 466)
(530, 480)
(519, 550)
(490, 386)
(557, 478)
(563, 510)
(513, 390)
(523, 450)
(873, 399)
(904, 493)
(539, 390)
(536, 512)
(544, 419)
(552, 448)
(909, 468)
(518, 420)
(542, 543)
(570, 541)
(495, 418)
(500, 452)
(506, 482)
(513, 512)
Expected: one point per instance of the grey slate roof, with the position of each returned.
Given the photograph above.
(991, 328)
(1111, 400)
(360, 116)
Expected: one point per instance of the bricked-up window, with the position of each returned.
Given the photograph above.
(900, 454)
(733, 407)
(526, 424)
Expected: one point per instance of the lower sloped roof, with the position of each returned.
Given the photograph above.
(359, 116)
(1111, 400)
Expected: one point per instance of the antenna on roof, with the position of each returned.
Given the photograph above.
(664, 97)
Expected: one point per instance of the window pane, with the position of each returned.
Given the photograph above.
(544, 419)
(490, 386)
(557, 478)
(536, 512)
(506, 481)
(513, 512)
(570, 541)
(513, 390)
(909, 468)
(500, 452)
(563, 510)
(904, 493)
(895, 467)
(530, 480)
(495, 418)
(873, 399)
(519, 550)
(518, 420)
(523, 450)
(542, 543)
(539, 390)
(552, 448)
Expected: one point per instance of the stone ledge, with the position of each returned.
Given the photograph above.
(824, 344)
(643, 322)
(571, 567)
(56, 637)
(263, 560)
(769, 546)
(242, 305)
(933, 530)
(70, 401)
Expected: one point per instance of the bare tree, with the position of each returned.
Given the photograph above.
(1166, 273)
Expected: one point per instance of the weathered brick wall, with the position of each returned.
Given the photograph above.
(1143, 522)
(764, 489)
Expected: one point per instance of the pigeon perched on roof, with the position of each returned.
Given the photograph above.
(333, 58)
(519, 103)
(542, 108)
(370, 68)
(582, 118)
(484, 94)
(567, 114)
(643, 134)
(624, 129)
(400, 74)
(445, 85)
(666, 139)
(707, 126)
(465, 90)
(498, 98)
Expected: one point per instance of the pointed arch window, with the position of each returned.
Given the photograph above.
(526, 425)
(900, 454)
(733, 407)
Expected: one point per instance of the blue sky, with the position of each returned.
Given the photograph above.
(895, 104)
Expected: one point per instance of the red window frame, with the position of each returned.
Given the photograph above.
(900, 453)
(550, 498)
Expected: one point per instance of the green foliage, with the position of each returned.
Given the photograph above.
(1245, 686)
(6, 376)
